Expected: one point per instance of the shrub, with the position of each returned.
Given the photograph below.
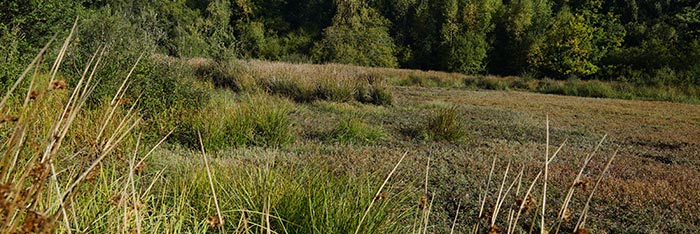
(166, 86)
(359, 35)
(271, 123)
(575, 87)
(375, 94)
(224, 74)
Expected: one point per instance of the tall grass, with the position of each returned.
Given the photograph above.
(301, 83)
(352, 130)
(45, 161)
(66, 168)
(249, 120)
(446, 124)
(521, 215)
(69, 169)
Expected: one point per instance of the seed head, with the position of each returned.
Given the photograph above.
(423, 201)
(214, 221)
(140, 168)
(529, 203)
(36, 223)
(37, 174)
(380, 196)
(495, 229)
(92, 175)
(5, 118)
(582, 184)
(566, 216)
(58, 84)
(115, 199)
(5, 203)
(34, 94)
(123, 101)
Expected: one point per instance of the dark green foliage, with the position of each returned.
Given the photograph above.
(25, 27)
(575, 43)
(644, 42)
(359, 35)
(170, 87)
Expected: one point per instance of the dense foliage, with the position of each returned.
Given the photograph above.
(640, 41)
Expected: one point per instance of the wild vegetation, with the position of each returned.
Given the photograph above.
(156, 117)
(254, 159)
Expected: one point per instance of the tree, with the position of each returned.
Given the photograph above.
(577, 41)
(464, 45)
(359, 35)
(520, 24)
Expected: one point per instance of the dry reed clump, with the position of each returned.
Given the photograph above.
(49, 156)
(301, 83)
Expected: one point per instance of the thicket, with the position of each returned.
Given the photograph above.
(644, 42)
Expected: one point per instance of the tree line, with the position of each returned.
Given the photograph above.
(646, 42)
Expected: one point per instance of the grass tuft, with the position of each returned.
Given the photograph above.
(353, 131)
(258, 120)
(445, 125)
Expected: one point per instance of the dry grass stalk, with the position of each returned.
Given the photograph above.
(578, 183)
(211, 182)
(483, 196)
(543, 229)
(525, 205)
(454, 222)
(424, 207)
(581, 223)
(427, 215)
(371, 203)
(62, 52)
(501, 196)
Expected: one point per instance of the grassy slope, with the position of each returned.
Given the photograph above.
(322, 177)
(651, 183)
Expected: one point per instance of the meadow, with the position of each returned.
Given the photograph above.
(297, 148)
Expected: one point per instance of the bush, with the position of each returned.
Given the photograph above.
(289, 87)
(335, 90)
(360, 36)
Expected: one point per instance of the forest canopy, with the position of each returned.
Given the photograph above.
(639, 41)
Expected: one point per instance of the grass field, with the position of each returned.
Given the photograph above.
(344, 149)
